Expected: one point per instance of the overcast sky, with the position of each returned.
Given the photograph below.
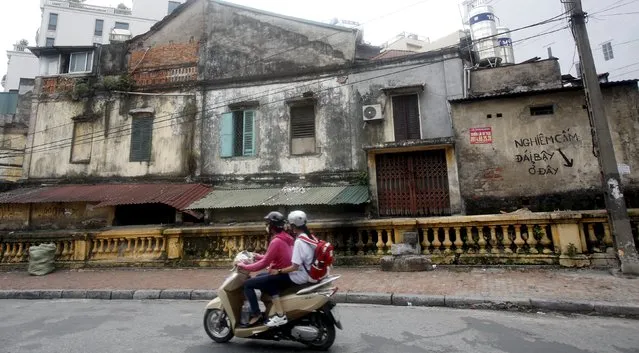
(383, 20)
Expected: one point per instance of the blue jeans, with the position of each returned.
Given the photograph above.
(271, 284)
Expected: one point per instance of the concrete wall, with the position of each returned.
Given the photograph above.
(247, 42)
(523, 77)
(51, 216)
(14, 216)
(524, 165)
(52, 128)
(341, 132)
(22, 64)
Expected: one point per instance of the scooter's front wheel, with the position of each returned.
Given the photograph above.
(326, 332)
(218, 325)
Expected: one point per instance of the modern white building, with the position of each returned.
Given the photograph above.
(72, 23)
(22, 64)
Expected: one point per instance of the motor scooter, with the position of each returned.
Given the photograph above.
(312, 315)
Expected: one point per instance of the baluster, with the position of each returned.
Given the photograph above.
(437, 243)
(470, 241)
(360, 244)
(607, 240)
(59, 248)
(129, 241)
(481, 240)
(158, 244)
(380, 242)
(545, 241)
(163, 247)
(389, 242)
(348, 243)
(426, 242)
(519, 241)
(226, 249)
(447, 243)
(458, 241)
(370, 246)
(494, 245)
(103, 245)
(532, 241)
(507, 240)
(593, 238)
(65, 248)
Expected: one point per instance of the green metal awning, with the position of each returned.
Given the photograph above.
(289, 196)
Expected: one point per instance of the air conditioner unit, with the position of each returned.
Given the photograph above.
(373, 112)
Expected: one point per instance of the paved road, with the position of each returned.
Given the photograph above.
(70, 326)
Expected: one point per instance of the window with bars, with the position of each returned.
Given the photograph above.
(237, 134)
(607, 51)
(406, 117)
(141, 138)
(82, 142)
(303, 129)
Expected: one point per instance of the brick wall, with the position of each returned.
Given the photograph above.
(162, 64)
(162, 56)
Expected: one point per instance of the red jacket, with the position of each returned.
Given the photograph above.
(278, 254)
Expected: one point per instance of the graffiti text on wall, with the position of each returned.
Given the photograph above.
(544, 140)
(541, 160)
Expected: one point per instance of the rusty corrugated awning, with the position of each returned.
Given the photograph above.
(288, 196)
(178, 196)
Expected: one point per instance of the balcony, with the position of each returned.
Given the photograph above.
(81, 6)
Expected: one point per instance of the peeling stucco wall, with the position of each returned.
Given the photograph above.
(110, 142)
(544, 74)
(341, 131)
(243, 42)
(542, 162)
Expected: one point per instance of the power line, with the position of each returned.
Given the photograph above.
(65, 142)
(612, 7)
(88, 138)
(289, 49)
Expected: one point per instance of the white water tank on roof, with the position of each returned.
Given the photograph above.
(505, 42)
(483, 31)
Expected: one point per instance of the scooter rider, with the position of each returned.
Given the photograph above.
(278, 256)
(302, 258)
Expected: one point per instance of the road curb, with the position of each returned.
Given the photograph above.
(387, 299)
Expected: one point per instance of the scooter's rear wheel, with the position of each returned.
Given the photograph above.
(218, 325)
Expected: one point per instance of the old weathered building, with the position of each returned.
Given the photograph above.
(243, 99)
(524, 139)
(15, 109)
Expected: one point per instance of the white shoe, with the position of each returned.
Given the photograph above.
(276, 321)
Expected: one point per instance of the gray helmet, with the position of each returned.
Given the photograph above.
(275, 219)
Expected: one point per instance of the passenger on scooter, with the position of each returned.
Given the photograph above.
(302, 259)
(278, 256)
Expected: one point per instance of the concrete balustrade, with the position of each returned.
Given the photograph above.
(571, 239)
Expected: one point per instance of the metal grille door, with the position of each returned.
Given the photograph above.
(413, 184)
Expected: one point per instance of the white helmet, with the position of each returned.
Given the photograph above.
(297, 218)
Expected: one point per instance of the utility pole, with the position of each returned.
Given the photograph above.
(613, 195)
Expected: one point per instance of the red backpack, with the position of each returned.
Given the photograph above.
(322, 259)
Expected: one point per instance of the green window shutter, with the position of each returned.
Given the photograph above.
(226, 135)
(249, 133)
(141, 139)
